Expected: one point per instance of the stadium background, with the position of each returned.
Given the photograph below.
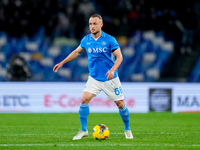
(159, 42)
(160, 73)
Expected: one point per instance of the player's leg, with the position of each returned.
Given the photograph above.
(124, 113)
(91, 89)
(83, 114)
(84, 109)
(113, 90)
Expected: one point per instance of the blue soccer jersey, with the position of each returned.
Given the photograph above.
(100, 56)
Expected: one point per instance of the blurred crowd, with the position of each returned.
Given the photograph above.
(121, 17)
(149, 31)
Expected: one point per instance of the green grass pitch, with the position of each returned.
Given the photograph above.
(54, 131)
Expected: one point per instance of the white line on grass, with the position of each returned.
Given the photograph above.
(73, 133)
(102, 144)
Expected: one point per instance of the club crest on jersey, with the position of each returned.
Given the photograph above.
(97, 50)
(89, 50)
(103, 43)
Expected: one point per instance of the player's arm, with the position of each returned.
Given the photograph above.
(118, 61)
(73, 55)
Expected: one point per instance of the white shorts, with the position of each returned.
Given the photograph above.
(112, 88)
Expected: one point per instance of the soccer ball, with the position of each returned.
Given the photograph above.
(100, 132)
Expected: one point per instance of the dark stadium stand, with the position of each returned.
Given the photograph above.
(150, 34)
(144, 57)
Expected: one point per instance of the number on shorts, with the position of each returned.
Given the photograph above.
(118, 90)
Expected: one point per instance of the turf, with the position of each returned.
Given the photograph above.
(154, 131)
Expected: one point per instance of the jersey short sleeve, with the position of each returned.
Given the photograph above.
(114, 43)
(83, 42)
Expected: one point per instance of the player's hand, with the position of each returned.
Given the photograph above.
(110, 74)
(57, 66)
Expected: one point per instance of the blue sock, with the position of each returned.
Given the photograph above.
(83, 115)
(124, 113)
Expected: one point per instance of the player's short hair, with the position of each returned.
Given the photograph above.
(97, 15)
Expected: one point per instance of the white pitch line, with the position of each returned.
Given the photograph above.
(43, 134)
(94, 145)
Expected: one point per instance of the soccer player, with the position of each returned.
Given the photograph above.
(104, 57)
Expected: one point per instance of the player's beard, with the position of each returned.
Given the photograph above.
(95, 33)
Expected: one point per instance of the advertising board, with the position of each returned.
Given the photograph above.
(50, 97)
(64, 97)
